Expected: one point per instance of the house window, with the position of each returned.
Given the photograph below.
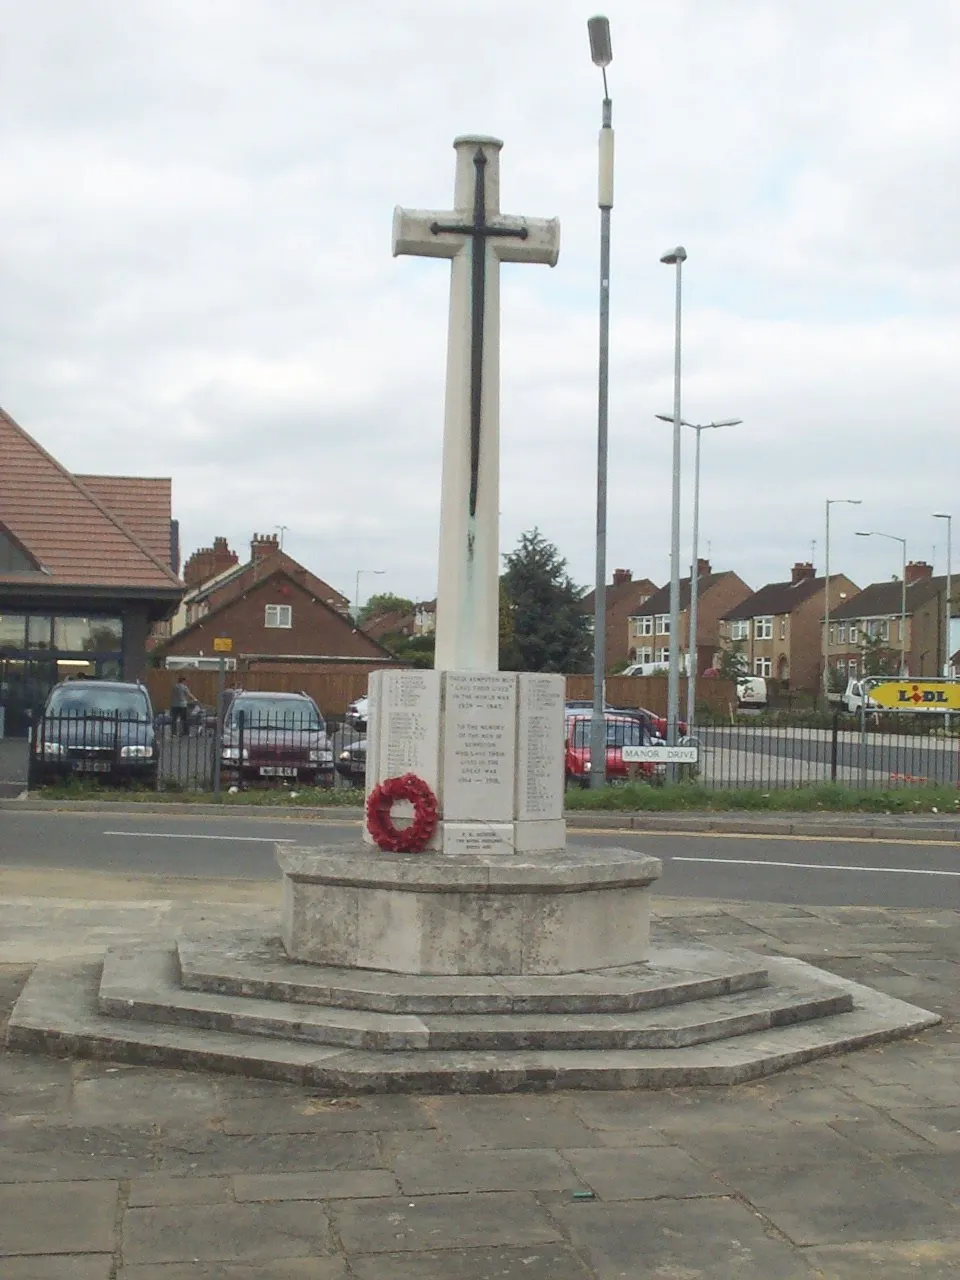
(852, 667)
(833, 634)
(853, 633)
(763, 628)
(842, 633)
(762, 666)
(278, 615)
(885, 630)
(644, 655)
(662, 655)
(783, 628)
(663, 624)
(740, 630)
(641, 627)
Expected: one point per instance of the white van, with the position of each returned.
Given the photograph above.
(657, 668)
(751, 691)
(853, 698)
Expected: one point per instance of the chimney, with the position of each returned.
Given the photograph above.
(703, 567)
(802, 570)
(620, 576)
(264, 545)
(918, 571)
(208, 562)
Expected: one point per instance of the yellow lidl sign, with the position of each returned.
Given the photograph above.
(222, 644)
(916, 695)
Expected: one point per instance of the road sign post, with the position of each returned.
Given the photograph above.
(221, 645)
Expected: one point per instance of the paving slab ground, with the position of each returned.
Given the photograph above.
(846, 1168)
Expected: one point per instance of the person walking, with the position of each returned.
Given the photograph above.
(181, 699)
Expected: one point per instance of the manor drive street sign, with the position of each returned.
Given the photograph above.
(659, 755)
(917, 695)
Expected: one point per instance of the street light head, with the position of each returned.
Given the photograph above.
(861, 534)
(727, 422)
(942, 515)
(679, 254)
(601, 50)
(664, 417)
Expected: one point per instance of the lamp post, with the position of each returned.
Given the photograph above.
(356, 594)
(601, 52)
(676, 257)
(692, 672)
(830, 502)
(903, 593)
(942, 515)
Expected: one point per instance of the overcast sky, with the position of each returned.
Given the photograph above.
(197, 281)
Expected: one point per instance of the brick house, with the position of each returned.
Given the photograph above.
(624, 597)
(650, 623)
(272, 609)
(875, 612)
(88, 564)
(781, 626)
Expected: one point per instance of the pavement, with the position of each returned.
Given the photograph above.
(826, 824)
(848, 1167)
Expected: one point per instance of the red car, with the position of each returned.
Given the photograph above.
(657, 724)
(622, 731)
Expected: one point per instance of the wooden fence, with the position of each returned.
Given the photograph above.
(333, 691)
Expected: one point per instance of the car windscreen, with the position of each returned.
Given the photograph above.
(625, 733)
(91, 700)
(620, 733)
(275, 713)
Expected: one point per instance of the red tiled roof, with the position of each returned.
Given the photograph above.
(75, 538)
(143, 503)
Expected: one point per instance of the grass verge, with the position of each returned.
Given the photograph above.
(823, 798)
(636, 797)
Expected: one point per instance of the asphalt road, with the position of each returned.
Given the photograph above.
(787, 869)
(766, 755)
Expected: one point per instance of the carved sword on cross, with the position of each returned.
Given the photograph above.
(477, 238)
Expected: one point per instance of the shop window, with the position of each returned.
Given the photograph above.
(87, 634)
(39, 631)
(13, 631)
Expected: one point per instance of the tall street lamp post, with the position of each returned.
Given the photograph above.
(601, 51)
(692, 671)
(903, 592)
(942, 515)
(850, 502)
(676, 257)
(356, 594)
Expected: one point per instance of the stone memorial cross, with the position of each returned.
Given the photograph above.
(477, 237)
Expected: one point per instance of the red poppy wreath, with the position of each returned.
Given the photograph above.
(412, 839)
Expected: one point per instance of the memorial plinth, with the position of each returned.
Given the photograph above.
(544, 913)
(488, 744)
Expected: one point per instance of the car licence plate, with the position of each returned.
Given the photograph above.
(92, 766)
(274, 771)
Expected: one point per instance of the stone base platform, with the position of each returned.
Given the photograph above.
(688, 1016)
(544, 912)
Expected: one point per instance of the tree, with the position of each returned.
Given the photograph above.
(416, 651)
(876, 658)
(379, 605)
(550, 630)
(733, 661)
(509, 655)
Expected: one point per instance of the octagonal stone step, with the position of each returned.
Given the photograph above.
(256, 965)
(143, 984)
(57, 1013)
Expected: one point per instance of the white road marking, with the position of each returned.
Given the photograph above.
(818, 866)
(189, 835)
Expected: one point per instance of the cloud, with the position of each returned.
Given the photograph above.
(197, 277)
